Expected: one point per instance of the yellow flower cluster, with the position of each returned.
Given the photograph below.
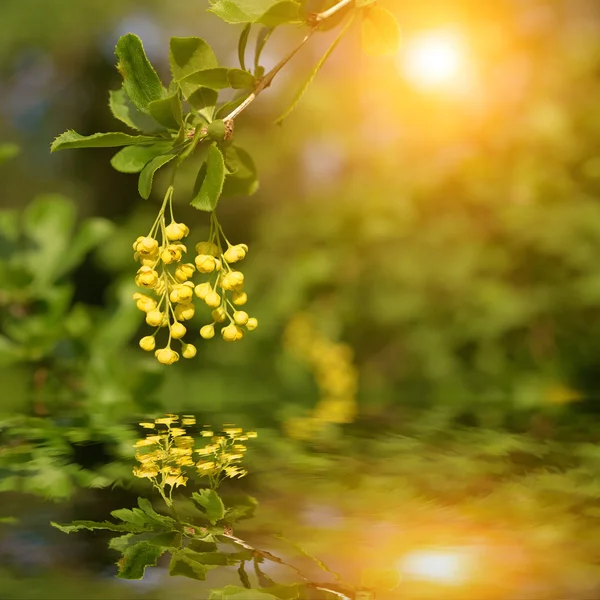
(171, 304)
(163, 453)
(224, 291)
(334, 372)
(222, 457)
(167, 449)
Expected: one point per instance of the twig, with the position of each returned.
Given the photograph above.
(278, 560)
(330, 11)
(265, 81)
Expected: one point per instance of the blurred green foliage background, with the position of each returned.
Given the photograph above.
(452, 240)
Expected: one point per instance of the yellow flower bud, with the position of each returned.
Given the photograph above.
(240, 317)
(155, 318)
(212, 299)
(235, 253)
(251, 324)
(207, 332)
(171, 254)
(181, 293)
(239, 298)
(219, 314)
(146, 246)
(176, 231)
(205, 263)
(184, 312)
(148, 343)
(144, 303)
(234, 280)
(184, 272)
(232, 333)
(207, 248)
(166, 356)
(202, 289)
(137, 241)
(188, 351)
(146, 277)
(178, 330)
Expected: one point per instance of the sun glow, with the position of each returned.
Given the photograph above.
(438, 566)
(435, 60)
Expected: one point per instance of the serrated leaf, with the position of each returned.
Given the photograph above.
(146, 507)
(204, 101)
(209, 500)
(380, 32)
(195, 565)
(94, 525)
(234, 592)
(242, 42)
(281, 13)
(72, 139)
(240, 80)
(147, 175)
(215, 79)
(206, 199)
(136, 558)
(123, 109)
(314, 72)
(190, 55)
(132, 159)
(266, 12)
(140, 81)
(242, 180)
(167, 111)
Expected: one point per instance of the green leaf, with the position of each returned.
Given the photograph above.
(8, 151)
(241, 571)
(215, 79)
(281, 13)
(123, 109)
(146, 507)
(266, 12)
(314, 72)
(140, 81)
(204, 101)
(209, 500)
(261, 40)
(136, 558)
(94, 525)
(243, 41)
(206, 199)
(132, 159)
(71, 139)
(240, 80)
(380, 32)
(235, 592)
(242, 180)
(243, 508)
(187, 56)
(167, 111)
(195, 565)
(147, 175)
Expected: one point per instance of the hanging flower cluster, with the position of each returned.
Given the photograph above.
(334, 373)
(224, 290)
(222, 457)
(168, 449)
(168, 278)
